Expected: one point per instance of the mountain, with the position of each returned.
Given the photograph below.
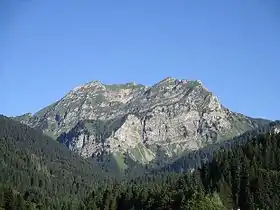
(141, 123)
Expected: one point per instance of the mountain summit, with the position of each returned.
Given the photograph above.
(145, 123)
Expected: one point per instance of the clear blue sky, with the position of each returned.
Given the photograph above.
(48, 47)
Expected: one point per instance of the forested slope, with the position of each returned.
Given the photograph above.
(43, 170)
(38, 173)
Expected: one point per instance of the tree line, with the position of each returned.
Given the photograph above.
(38, 173)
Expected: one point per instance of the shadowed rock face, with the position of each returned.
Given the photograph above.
(169, 117)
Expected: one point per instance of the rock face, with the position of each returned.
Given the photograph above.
(169, 118)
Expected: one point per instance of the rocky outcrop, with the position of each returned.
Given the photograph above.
(171, 117)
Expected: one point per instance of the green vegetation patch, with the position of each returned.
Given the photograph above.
(119, 157)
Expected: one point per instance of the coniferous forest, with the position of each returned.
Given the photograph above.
(38, 173)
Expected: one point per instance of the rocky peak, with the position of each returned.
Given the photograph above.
(166, 81)
(171, 81)
(93, 85)
(173, 116)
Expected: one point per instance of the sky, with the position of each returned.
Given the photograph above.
(49, 47)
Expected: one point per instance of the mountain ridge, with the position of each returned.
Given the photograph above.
(168, 118)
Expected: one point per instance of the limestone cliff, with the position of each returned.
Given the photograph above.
(168, 118)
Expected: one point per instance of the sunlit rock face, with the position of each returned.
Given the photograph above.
(170, 117)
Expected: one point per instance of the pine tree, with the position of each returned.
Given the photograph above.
(19, 202)
(9, 199)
